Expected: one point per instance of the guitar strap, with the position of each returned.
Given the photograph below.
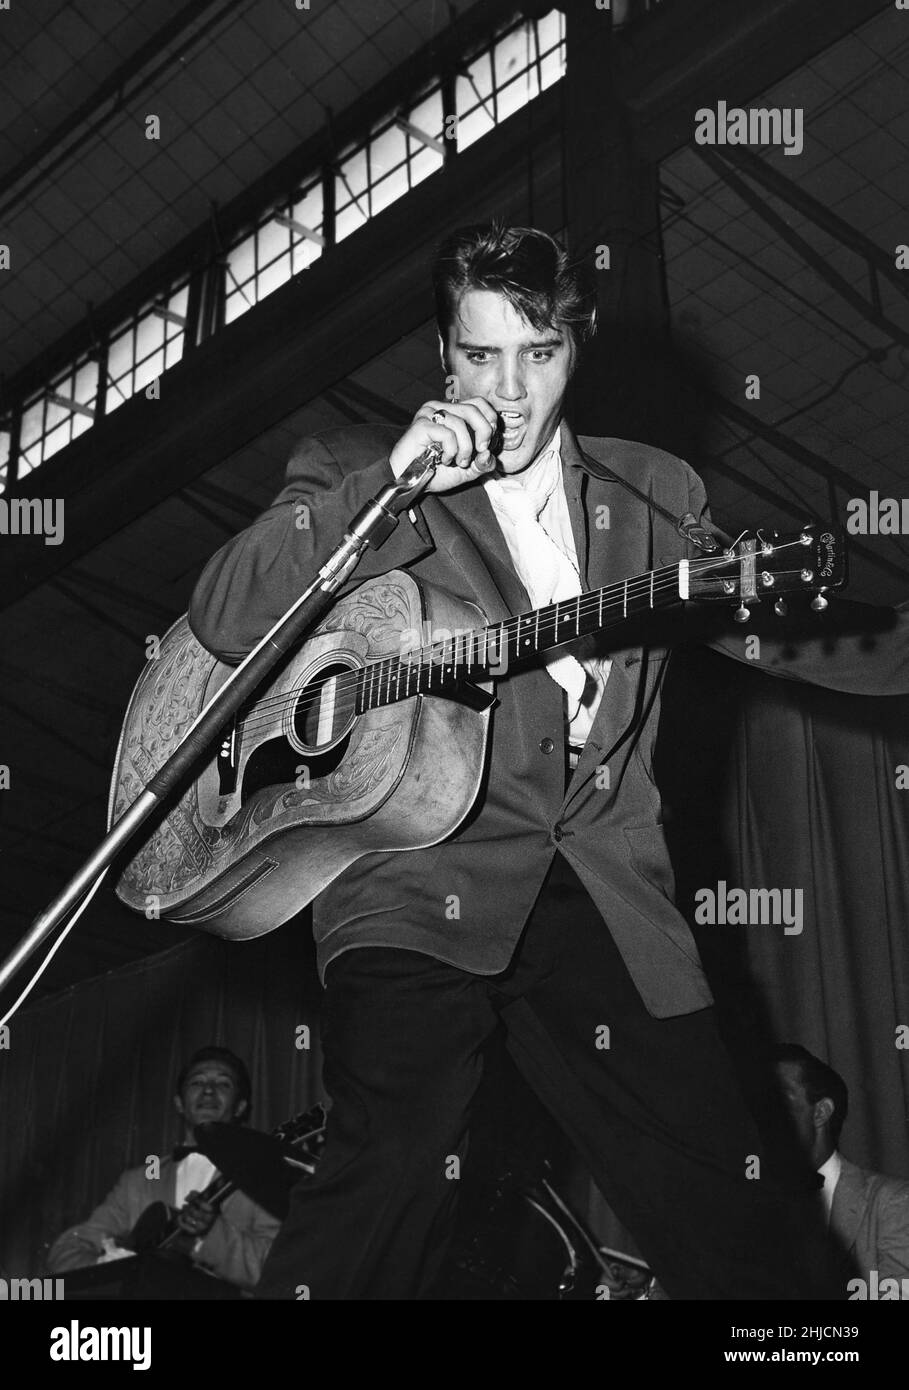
(687, 526)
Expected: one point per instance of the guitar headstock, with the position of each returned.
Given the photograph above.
(766, 564)
(298, 1129)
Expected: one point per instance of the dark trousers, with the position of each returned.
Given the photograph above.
(652, 1106)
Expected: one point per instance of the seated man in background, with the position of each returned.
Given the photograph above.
(231, 1243)
(867, 1212)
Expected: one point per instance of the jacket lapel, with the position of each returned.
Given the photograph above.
(464, 524)
(620, 546)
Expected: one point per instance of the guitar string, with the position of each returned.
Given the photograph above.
(423, 659)
(445, 652)
(390, 671)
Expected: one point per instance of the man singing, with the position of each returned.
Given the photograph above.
(565, 928)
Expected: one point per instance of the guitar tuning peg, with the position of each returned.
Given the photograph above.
(742, 614)
(781, 608)
(818, 603)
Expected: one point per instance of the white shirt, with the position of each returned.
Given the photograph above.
(543, 474)
(830, 1172)
(194, 1173)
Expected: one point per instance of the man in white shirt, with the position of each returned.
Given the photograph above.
(866, 1212)
(230, 1243)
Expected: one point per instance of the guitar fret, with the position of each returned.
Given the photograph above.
(651, 588)
(625, 599)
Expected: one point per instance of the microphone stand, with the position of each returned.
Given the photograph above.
(371, 526)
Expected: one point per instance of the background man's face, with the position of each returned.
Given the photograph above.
(210, 1092)
(495, 353)
(800, 1109)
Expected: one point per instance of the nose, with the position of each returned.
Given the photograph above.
(510, 385)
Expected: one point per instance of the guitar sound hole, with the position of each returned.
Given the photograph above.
(276, 764)
(325, 707)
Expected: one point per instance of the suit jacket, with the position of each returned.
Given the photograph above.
(497, 860)
(870, 1219)
(234, 1249)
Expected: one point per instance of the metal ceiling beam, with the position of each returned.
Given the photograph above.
(867, 306)
(194, 250)
(694, 53)
(309, 335)
(112, 93)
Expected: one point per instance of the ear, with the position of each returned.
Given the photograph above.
(178, 1105)
(442, 354)
(242, 1107)
(823, 1112)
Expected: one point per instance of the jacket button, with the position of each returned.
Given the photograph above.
(557, 832)
(546, 745)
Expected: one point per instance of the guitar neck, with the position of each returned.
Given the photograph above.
(475, 654)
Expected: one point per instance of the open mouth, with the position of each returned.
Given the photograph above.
(513, 426)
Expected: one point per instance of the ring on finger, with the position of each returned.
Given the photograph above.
(437, 417)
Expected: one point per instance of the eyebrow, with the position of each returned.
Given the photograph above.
(480, 347)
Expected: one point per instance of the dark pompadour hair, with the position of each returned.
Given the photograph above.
(529, 267)
(819, 1081)
(227, 1059)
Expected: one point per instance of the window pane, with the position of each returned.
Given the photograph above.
(355, 172)
(242, 260)
(55, 414)
(308, 209)
(120, 356)
(274, 241)
(236, 304)
(147, 371)
(387, 152)
(424, 163)
(473, 126)
(348, 219)
(512, 54)
(57, 439)
(86, 384)
(273, 276)
(389, 189)
(427, 115)
(305, 252)
(179, 302)
(149, 335)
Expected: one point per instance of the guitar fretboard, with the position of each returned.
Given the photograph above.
(475, 654)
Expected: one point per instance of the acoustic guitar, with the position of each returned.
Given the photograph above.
(340, 754)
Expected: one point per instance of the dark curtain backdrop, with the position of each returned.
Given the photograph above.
(86, 1088)
(775, 784)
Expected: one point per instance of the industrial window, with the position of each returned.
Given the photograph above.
(58, 414)
(522, 62)
(289, 241)
(145, 347)
(400, 151)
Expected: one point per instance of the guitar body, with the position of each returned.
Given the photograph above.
(301, 786)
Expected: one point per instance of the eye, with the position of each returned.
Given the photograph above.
(541, 354)
(476, 357)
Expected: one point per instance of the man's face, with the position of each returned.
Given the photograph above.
(210, 1092)
(495, 353)
(800, 1109)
